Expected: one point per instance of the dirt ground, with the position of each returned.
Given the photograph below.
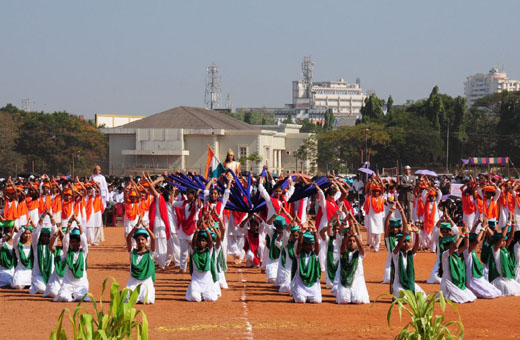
(251, 309)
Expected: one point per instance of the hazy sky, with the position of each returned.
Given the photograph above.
(143, 57)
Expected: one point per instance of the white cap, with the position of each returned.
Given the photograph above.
(407, 167)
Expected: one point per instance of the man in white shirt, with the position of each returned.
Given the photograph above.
(103, 187)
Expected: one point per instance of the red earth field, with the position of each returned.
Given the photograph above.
(250, 308)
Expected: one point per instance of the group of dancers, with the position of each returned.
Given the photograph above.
(44, 245)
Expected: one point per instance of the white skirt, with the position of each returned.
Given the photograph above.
(434, 275)
(388, 268)
(301, 291)
(37, 284)
(482, 288)
(54, 285)
(201, 287)
(357, 293)
(454, 293)
(271, 270)
(508, 287)
(6, 276)
(22, 276)
(286, 284)
(147, 292)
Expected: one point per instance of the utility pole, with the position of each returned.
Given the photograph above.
(447, 147)
(366, 143)
(212, 93)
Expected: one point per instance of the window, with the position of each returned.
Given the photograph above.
(242, 151)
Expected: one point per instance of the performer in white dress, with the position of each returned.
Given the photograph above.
(501, 266)
(403, 275)
(22, 243)
(475, 279)
(43, 257)
(351, 286)
(203, 272)
(7, 254)
(392, 228)
(287, 258)
(60, 263)
(274, 232)
(75, 281)
(374, 214)
(453, 283)
(306, 286)
(142, 268)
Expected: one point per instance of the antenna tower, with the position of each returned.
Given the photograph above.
(307, 65)
(228, 101)
(212, 94)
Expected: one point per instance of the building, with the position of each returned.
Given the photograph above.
(481, 85)
(110, 121)
(310, 100)
(178, 138)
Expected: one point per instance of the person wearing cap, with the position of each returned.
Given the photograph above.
(288, 256)
(95, 233)
(22, 243)
(445, 227)
(69, 211)
(432, 198)
(10, 212)
(505, 203)
(274, 228)
(60, 263)
(351, 286)
(406, 185)
(403, 274)
(75, 281)
(332, 238)
(7, 253)
(374, 213)
(43, 257)
(392, 228)
(32, 200)
(469, 204)
(490, 195)
(160, 222)
(217, 231)
(453, 282)
(501, 264)
(203, 272)
(45, 201)
(142, 267)
(56, 202)
(251, 228)
(306, 286)
(132, 209)
(475, 278)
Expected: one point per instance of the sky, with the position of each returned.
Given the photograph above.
(143, 57)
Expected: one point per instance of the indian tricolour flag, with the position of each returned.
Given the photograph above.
(213, 166)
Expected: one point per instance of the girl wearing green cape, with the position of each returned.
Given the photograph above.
(453, 282)
(501, 264)
(60, 263)
(392, 228)
(43, 257)
(75, 281)
(142, 267)
(306, 286)
(202, 267)
(7, 254)
(403, 273)
(22, 243)
(475, 278)
(351, 286)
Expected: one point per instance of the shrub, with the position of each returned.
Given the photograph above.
(119, 323)
(424, 324)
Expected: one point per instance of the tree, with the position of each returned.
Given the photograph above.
(329, 120)
(372, 111)
(9, 157)
(308, 150)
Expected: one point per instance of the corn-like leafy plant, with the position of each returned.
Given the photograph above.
(424, 324)
(119, 323)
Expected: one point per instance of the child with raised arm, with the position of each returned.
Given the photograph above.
(274, 233)
(288, 257)
(332, 235)
(403, 275)
(453, 283)
(142, 268)
(43, 257)
(7, 253)
(252, 246)
(501, 266)
(75, 281)
(392, 228)
(351, 287)
(203, 273)
(475, 279)
(60, 263)
(22, 243)
(306, 285)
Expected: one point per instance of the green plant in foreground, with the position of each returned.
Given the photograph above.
(119, 323)
(424, 324)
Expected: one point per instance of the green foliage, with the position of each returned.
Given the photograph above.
(372, 111)
(424, 323)
(329, 121)
(254, 117)
(119, 323)
(308, 126)
(50, 141)
(308, 150)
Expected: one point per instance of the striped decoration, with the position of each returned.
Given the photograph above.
(488, 160)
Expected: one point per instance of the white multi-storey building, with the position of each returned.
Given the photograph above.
(480, 85)
(344, 99)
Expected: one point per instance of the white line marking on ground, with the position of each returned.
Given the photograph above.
(249, 327)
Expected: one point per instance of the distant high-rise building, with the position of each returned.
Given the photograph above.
(481, 85)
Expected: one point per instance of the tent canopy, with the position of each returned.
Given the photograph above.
(486, 160)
